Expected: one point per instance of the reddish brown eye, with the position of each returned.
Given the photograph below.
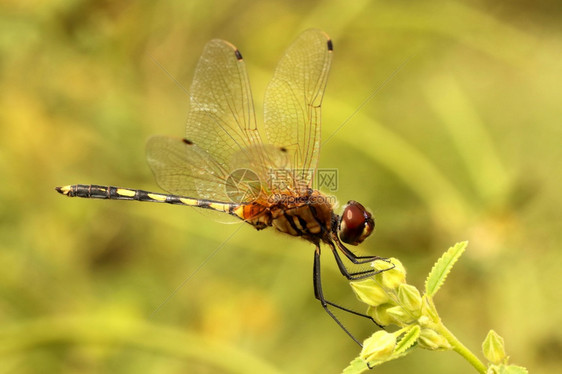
(356, 224)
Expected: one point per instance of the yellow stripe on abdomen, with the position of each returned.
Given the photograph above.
(190, 202)
(220, 207)
(239, 212)
(157, 197)
(125, 192)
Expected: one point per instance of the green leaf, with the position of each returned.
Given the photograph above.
(442, 267)
(356, 366)
(408, 340)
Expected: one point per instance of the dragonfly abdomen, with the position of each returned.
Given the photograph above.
(93, 191)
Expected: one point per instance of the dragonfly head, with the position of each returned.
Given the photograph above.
(356, 223)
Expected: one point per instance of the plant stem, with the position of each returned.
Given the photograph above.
(460, 348)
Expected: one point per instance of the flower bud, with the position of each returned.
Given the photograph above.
(391, 274)
(424, 321)
(399, 315)
(410, 298)
(428, 310)
(378, 347)
(431, 340)
(380, 315)
(493, 348)
(369, 292)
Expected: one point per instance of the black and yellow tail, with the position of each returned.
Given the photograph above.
(93, 191)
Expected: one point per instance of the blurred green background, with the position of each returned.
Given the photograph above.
(464, 142)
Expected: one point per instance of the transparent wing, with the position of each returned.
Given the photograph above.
(221, 125)
(293, 99)
(221, 119)
(185, 169)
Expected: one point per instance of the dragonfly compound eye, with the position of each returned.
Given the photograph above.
(356, 223)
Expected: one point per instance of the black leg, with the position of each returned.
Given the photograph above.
(358, 260)
(357, 275)
(319, 294)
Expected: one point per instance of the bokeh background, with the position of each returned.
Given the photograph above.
(462, 141)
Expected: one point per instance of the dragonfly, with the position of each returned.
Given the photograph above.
(260, 173)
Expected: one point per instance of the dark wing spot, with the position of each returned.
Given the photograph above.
(330, 46)
(187, 141)
(238, 55)
(283, 149)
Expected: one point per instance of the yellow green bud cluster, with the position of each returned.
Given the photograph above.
(390, 299)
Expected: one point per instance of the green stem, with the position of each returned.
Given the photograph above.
(460, 348)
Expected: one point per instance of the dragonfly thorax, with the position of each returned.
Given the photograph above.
(309, 217)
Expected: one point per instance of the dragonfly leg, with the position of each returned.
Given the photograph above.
(356, 260)
(319, 294)
(353, 275)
